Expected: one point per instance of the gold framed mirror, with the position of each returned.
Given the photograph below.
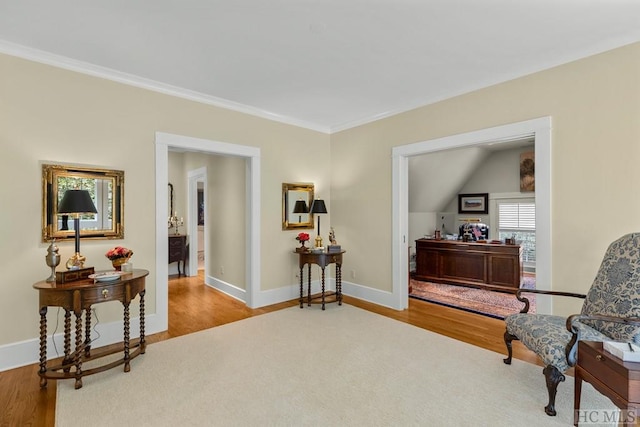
(296, 201)
(107, 192)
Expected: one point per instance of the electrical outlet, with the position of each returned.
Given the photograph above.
(222, 269)
(353, 274)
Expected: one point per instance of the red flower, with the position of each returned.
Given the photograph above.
(302, 237)
(118, 252)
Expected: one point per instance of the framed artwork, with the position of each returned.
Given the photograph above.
(477, 203)
(527, 171)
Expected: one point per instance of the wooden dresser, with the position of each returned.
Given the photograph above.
(178, 251)
(485, 265)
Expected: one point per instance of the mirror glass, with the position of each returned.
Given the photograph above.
(291, 217)
(107, 191)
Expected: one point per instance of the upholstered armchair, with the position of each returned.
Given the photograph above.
(610, 312)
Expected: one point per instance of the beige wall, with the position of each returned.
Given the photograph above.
(52, 114)
(57, 115)
(594, 104)
(226, 211)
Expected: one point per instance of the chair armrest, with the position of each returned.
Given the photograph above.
(572, 347)
(525, 300)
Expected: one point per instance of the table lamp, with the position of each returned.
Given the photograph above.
(300, 208)
(318, 207)
(76, 203)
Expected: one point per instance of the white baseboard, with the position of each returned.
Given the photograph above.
(265, 298)
(23, 353)
(27, 352)
(375, 296)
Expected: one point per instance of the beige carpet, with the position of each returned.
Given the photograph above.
(341, 367)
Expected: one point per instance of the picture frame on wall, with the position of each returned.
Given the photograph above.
(477, 203)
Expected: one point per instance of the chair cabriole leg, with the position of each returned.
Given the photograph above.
(507, 340)
(553, 377)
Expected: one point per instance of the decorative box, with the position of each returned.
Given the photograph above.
(332, 249)
(67, 276)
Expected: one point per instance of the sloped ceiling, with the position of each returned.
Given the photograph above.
(434, 179)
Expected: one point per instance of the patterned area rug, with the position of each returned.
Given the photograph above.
(489, 303)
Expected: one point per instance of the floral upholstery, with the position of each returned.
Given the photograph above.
(548, 336)
(616, 289)
(614, 292)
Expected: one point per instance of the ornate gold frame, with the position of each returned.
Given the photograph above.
(50, 176)
(297, 190)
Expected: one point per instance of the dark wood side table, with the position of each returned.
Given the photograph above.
(178, 251)
(78, 297)
(322, 259)
(614, 378)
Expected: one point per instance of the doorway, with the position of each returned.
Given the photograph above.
(163, 141)
(197, 214)
(540, 131)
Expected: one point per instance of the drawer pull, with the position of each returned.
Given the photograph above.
(105, 293)
(599, 357)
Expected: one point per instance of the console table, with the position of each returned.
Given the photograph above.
(321, 259)
(616, 379)
(78, 297)
(178, 251)
(484, 265)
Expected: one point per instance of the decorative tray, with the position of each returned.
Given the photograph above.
(106, 276)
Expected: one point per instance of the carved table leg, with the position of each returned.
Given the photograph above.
(43, 346)
(301, 296)
(67, 341)
(127, 368)
(309, 286)
(78, 352)
(323, 288)
(339, 283)
(576, 396)
(87, 332)
(143, 342)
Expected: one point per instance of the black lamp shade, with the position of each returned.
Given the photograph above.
(318, 207)
(300, 207)
(76, 202)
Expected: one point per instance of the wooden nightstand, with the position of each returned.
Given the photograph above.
(178, 251)
(617, 380)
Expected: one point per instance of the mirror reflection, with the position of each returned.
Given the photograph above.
(296, 201)
(106, 190)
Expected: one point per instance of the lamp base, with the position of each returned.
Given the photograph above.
(318, 241)
(76, 262)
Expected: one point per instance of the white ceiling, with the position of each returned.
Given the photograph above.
(322, 64)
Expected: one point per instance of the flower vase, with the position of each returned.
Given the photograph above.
(302, 247)
(117, 263)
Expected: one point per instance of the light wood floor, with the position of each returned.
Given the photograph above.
(194, 306)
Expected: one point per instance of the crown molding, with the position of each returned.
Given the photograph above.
(66, 63)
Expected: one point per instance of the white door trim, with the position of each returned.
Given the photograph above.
(252, 154)
(194, 177)
(540, 129)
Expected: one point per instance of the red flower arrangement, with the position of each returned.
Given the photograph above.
(118, 252)
(302, 237)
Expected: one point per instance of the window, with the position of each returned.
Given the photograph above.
(519, 220)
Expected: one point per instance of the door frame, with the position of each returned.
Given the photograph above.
(194, 177)
(540, 129)
(252, 155)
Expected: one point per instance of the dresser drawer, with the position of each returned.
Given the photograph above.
(620, 377)
(104, 293)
